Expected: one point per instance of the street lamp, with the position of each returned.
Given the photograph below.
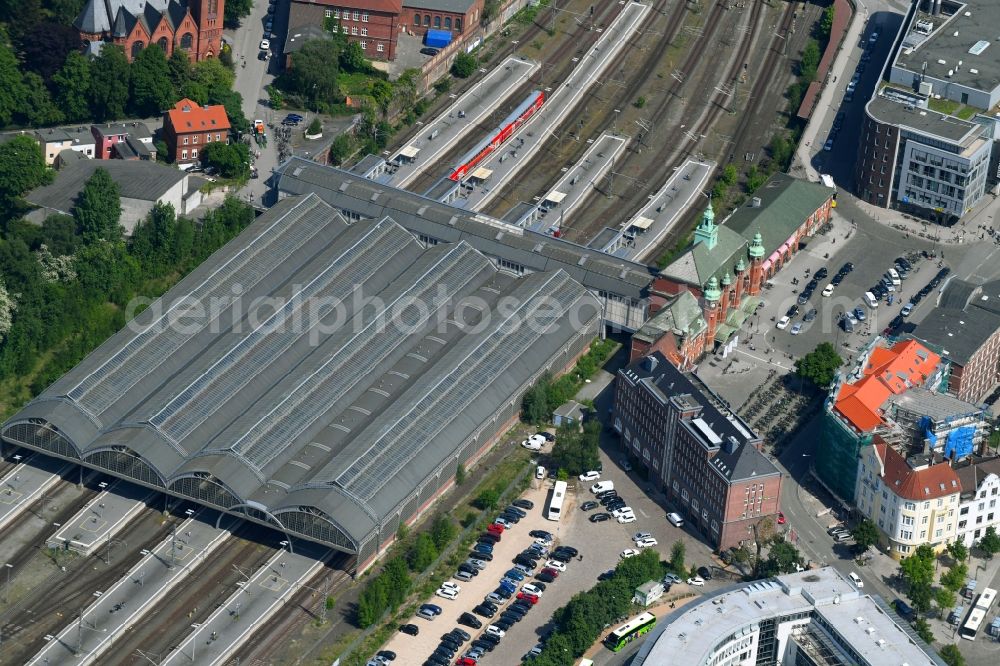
(6, 590)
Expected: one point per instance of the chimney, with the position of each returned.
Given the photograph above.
(650, 363)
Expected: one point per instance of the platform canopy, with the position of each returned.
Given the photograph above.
(409, 152)
(555, 197)
(481, 174)
(642, 223)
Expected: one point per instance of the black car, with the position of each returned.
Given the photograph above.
(896, 322)
(529, 555)
(410, 629)
(504, 623)
(848, 267)
(561, 556)
(470, 620)
(501, 592)
(485, 557)
(607, 575)
(809, 316)
(510, 517)
(451, 642)
(545, 577)
(524, 504)
(435, 660)
(388, 655)
(469, 569)
(540, 586)
(549, 437)
(461, 634)
(540, 534)
(705, 573)
(516, 511)
(821, 273)
(606, 493)
(427, 50)
(521, 605)
(490, 638)
(812, 285)
(483, 610)
(526, 561)
(600, 517)
(589, 506)
(489, 604)
(614, 506)
(488, 537)
(483, 645)
(573, 552)
(792, 311)
(611, 499)
(444, 652)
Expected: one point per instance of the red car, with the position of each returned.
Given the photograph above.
(552, 572)
(495, 528)
(781, 518)
(466, 661)
(533, 598)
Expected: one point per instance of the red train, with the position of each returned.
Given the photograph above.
(518, 117)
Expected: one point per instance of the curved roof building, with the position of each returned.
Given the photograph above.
(321, 377)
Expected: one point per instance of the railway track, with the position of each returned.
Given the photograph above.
(51, 607)
(573, 45)
(205, 589)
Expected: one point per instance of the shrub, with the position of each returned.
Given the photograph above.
(464, 65)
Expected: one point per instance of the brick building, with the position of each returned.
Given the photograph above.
(192, 25)
(125, 141)
(728, 264)
(374, 24)
(458, 16)
(704, 457)
(188, 127)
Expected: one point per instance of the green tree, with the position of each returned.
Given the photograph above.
(951, 655)
(22, 168)
(443, 530)
(73, 87)
(352, 58)
(755, 178)
(865, 535)
(233, 102)
(275, 97)
(464, 65)
(809, 61)
(109, 81)
(820, 365)
(575, 451)
(534, 404)
(150, 82)
(954, 578)
(37, 108)
(782, 558)
(826, 23)
(423, 553)
(990, 542)
(460, 474)
(315, 127)
(179, 66)
(677, 557)
(236, 10)
(487, 499)
(372, 603)
(945, 598)
(341, 148)
(923, 630)
(781, 150)
(98, 208)
(918, 568)
(231, 159)
(443, 84)
(11, 85)
(491, 9)
(313, 74)
(382, 92)
(958, 551)
(152, 239)
(920, 595)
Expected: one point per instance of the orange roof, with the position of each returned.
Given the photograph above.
(925, 484)
(889, 370)
(187, 116)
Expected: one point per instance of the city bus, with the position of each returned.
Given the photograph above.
(978, 614)
(558, 497)
(629, 631)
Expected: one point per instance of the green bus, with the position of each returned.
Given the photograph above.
(629, 631)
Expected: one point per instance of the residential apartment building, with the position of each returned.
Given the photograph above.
(913, 500)
(188, 127)
(373, 24)
(125, 141)
(701, 455)
(964, 328)
(979, 502)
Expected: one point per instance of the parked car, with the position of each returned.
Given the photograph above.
(464, 576)
(545, 577)
(484, 611)
(540, 534)
(796, 329)
(589, 506)
(856, 579)
(590, 476)
(628, 552)
(514, 574)
(696, 581)
(427, 50)
(470, 620)
(409, 629)
(539, 472)
(705, 573)
(525, 504)
(648, 542)
(600, 517)
(783, 323)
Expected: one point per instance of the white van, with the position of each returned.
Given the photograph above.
(602, 486)
(675, 519)
(856, 579)
(894, 276)
(871, 300)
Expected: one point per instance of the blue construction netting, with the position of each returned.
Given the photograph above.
(925, 425)
(960, 442)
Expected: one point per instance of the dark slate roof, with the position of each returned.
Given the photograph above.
(453, 6)
(297, 37)
(176, 13)
(971, 475)
(143, 180)
(93, 17)
(358, 421)
(735, 456)
(964, 320)
(420, 215)
(120, 16)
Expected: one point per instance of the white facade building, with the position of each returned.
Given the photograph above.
(979, 505)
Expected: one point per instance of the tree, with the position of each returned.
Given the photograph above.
(275, 97)
(491, 9)
(233, 102)
(109, 80)
(820, 365)
(37, 109)
(764, 531)
(918, 568)
(99, 208)
(809, 61)
(179, 66)
(958, 551)
(945, 598)
(423, 553)
(443, 530)
(865, 535)
(920, 595)
(11, 85)
(152, 239)
(951, 655)
(460, 474)
(235, 10)
(45, 46)
(315, 127)
(575, 451)
(152, 91)
(313, 74)
(352, 58)
(382, 93)
(464, 65)
(782, 558)
(22, 168)
(73, 87)
(677, 557)
(341, 148)
(755, 178)
(487, 499)
(955, 577)
(990, 543)
(923, 630)
(231, 159)
(781, 150)
(534, 405)
(826, 23)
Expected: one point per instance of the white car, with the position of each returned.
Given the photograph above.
(697, 581)
(531, 446)
(626, 519)
(556, 564)
(544, 543)
(448, 585)
(783, 323)
(627, 553)
(494, 630)
(624, 511)
(539, 472)
(265, 45)
(447, 593)
(828, 290)
(590, 476)
(531, 589)
(856, 579)
(639, 536)
(648, 542)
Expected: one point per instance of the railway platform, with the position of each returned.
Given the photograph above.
(95, 525)
(134, 595)
(463, 116)
(30, 479)
(259, 598)
(520, 149)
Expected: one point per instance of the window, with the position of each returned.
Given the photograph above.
(137, 49)
(184, 154)
(380, 47)
(905, 534)
(162, 43)
(185, 141)
(194, 139)
(458, 27)
(218, 137)
(194, 153)
(907, 520)
(937, 534)
(364, 45)
(923, 534)
(427, 20)
(364, 32)
(416, 19)
(336, 14)
(343, 29)
(354, 31)
(357, 15)
(437, 21)
(910, 506)
(328, 13)
(187, 41)
(447, 23)
(923, 521)
(364, 17)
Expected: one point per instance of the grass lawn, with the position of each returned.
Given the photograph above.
(355, 83)
(944, 106)
(967, 112)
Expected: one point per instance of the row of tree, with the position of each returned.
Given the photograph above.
(387, 590)
(576, 449)
(548, 393)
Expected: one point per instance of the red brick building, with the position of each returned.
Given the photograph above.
(699, 453)
(194, 26)
(188, 127)
(374, 24)
(458, 16)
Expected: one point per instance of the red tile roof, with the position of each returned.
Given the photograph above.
(889, 371)
(187, 116)
(917, 485)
